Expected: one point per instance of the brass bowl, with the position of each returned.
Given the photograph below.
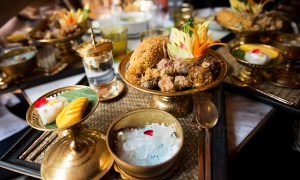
(256, 35)
(289, 45)
(21, 67)
(178, 103)
(139, 118)
(33, 117)
(250, 74)
(65, 53)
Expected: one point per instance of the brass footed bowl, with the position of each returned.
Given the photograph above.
(19, 62)
(251, 73)
(139, 118)
(177, 103)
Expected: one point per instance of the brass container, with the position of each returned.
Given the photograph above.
(139, 118)
(81, 153)
(289, 45)
(65, 52)
(177, 103)
(22, 67)
(251, 74)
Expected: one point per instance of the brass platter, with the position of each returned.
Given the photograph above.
(251, 73)
(256, 36)
(177, 103)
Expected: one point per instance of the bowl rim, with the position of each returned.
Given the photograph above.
(119, 118)
(18, 51)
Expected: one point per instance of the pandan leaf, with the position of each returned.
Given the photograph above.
(51, 125)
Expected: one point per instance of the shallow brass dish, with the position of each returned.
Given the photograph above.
(42, 25)
(34, 120)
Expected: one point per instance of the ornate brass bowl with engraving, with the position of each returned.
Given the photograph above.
(178, 103)
(289, 45)
(251, 73)
(81, 149)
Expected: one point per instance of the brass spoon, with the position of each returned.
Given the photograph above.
(206, 115)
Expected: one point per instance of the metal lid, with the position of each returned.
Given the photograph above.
(94, 48)
(86, 152)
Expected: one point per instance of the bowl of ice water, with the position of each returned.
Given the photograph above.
(145, 142)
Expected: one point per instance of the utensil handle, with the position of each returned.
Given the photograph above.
(200, 155)
(207, 155)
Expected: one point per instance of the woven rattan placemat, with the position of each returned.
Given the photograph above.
(129, 100)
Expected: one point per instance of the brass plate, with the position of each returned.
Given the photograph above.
(165, 175)
(120, 88)
(124, 64)
(42, 26)
(34, 120)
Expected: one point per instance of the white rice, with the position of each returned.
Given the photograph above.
(49, 111)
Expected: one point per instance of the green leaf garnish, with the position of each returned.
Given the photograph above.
(185, 26)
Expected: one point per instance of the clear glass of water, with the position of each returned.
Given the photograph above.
(98, 65)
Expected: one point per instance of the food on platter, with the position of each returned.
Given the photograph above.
(249, 47)
(147, 54)
(49, 108)
(62, 23)
(72, 113)
(66, 108)
(247, 15)
(175, 64)
(256, 54)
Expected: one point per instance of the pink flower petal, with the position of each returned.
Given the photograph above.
(149, 132)
(40, 102)
(256, 51)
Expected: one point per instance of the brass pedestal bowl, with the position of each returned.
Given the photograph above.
(251, 73)
(289, 44)
(62, 47)
(178, 103)
(17, 63)
(82, 152)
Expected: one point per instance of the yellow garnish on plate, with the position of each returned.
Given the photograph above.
(74, 17)
(249, 47)
(72, 113)
(191, 42)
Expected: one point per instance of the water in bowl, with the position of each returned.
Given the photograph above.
(100, 74)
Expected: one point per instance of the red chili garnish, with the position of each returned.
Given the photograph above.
(256, 51)
(40, 102)
(149, 132)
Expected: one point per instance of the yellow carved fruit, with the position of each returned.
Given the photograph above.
(72, 113)
(269, 51)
